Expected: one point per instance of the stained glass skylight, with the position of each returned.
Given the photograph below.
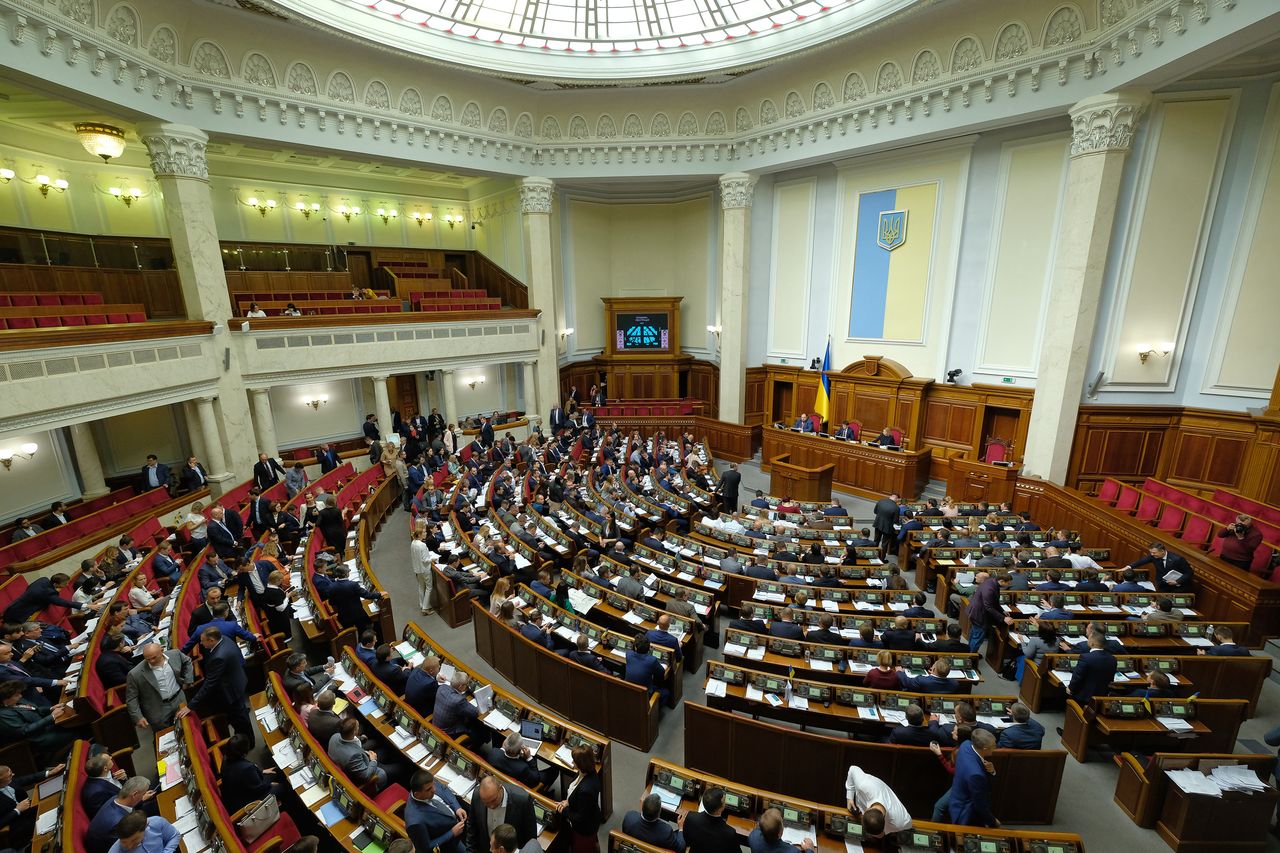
(598, 39)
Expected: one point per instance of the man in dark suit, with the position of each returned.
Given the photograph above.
(514, 759)
(435, 424)
(662, 635)
(935, 682)
(1094, 672)
(40, 594)
(112, 666)
(824, 632)
(323, 723)
(345, 597)
(645, 670)
(225, 531)
(433, 817)
(370, 428)
(328, 458)
(730, 482)
(486, 433)
(421, 685)
(100, 784)
(916, 732)
(390, 672)
(886, 515)
(17, 809)
(900, 637)
(193, 476)
(707, 831)
(496, 803)
(297, 673)
(648, 825)
(583, 656)
(556, 419)
(267, 472)
(951, 643)
(784, 626)
(154, 474)
(971, 789)
(37, 690)
(57, 516)
(224, 683)
(1226, 646)
(1165, 563)
(1025, 733)
(803, 423)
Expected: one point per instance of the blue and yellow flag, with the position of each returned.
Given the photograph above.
(822, 405)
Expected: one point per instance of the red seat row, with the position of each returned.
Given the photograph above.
(634, 410)
(21, 300)
(85, 527)
(455, 305)
(355, 307)
(71, 320)
(296, 295)
(469, 295)
(79, 509)
(1248, 506)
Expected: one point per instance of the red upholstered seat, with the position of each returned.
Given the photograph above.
(1128, 498)
(49, 299)
(1171, 517)
(72, 299)
(1110, 491)
(23, 299)
(1148, 508)
(22, 322)
(994, 452)
(117, 318)
(4, 300)
(897, 435)
(74, 320)
(48, 322)
(94, 299)
(1197, 530)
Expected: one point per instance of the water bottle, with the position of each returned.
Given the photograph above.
(330, 660)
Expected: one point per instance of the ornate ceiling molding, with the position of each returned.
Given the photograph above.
(1019, 66)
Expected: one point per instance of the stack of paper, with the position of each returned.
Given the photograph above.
(716, 687)
(1237, 778)
(1194, 782)
(1174, 724)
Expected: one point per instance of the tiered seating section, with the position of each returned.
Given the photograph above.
(453, 300)
(645, 408)
(321, 302)
(77, 509)
(1191, 518)
(57, 310)
(93, 526)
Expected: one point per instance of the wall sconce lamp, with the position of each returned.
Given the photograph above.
(454, 219)
(306, 209)
(348, 212)
(262, 206)
(388, 215)
(715, 330)
(473, 381)
(315, 402)
(421, 217)
(7, 175)
(565, 333)
(26, 451)
(1145, 351)
(44, 185)
(128, 196)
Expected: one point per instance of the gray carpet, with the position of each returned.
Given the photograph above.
(1085, 803)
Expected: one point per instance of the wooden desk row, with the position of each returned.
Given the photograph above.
(557, 730)
(826, 706)
(622, 614)
(810, 766)
(601, 702)
(1133, 724)
(1211, 676)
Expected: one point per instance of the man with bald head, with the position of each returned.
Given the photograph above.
(154, 688)
(662, 636)
(496, 803)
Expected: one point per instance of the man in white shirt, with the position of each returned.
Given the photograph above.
(154, 688)
(421, 559)
(882, 812)
(1078, 560)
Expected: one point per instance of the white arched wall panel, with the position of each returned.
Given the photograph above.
(790, 268)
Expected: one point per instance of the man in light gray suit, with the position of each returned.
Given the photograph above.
(154, 688)
(360, 764)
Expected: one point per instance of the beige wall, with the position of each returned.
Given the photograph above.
(640, 249)
(125, 440)
(499, 232)
(790, 269)
(1178, 182)
(31, 485)
(1026, 221)
(298, 424)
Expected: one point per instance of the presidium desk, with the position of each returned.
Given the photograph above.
(868, 471)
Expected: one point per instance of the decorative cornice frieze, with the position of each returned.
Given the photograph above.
(736, 190)
(535, 195)
(1062, 51)
(1107, 122)
(176, 150)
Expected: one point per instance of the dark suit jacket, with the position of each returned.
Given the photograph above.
(224, 678)
(191, 479)
(328, 460)
(345, 598)
(970, 790)
(420, 692)
(587, 659)
(267, 474)
(1228, 650)
(886, 513)
(819, 635)
(324, 725)
(9, 805)
(519, 814)
(657, 833)
(1092, 676)
(1028, 735)
(95, 792)
(904, 640)
(393, 676)
(34, 599)
(162, 476)
(113, 668)
(786, 630)
(583, 811)
(706, 834)
(223, 538)
(429, 827)
(919, 735)
(242, 782)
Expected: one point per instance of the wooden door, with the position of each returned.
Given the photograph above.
(360, 265)
(406, 395)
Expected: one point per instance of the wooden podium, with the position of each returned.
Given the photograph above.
(971, 481)
(802, 484)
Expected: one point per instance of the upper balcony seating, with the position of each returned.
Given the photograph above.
(75, 509)
(275, 307)
(49, 299)
(88, 528)
(293, 295)
(62, 316)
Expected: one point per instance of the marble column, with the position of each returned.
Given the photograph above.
(87, 460)
(1101, 138)
(450, 397)
(264, 424)
(216, 463)
(736, 190)
(178, 160)
(530, 388)
(194, 433)
(381, 403)
(536, 196)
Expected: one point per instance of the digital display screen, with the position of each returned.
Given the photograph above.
(791, 815)
(643, 332)
(732, 801)
(921, 840)
(988, 847)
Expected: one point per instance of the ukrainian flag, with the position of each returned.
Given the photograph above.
(822, 405)
(892, 255)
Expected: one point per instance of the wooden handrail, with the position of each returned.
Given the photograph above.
(330, 320)
(111, 333)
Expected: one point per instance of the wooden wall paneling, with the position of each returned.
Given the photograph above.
(1209, 450)
(1124, 442)
(1262, 473)
(756, 409)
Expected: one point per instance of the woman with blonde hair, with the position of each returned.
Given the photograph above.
(502, 591)
(142, 598)
(949, 508)
(390, 455)
(197, 527)
(883, 676)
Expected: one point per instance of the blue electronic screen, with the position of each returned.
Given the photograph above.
(643, 332)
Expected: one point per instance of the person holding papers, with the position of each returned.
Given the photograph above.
(1172, 573)
(881, 811)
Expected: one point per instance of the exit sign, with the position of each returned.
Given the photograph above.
(1008, 380)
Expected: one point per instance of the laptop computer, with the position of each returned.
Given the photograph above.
(531, 732)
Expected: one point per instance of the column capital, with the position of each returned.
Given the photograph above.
(1105, 123)
(535, 195)
(207, 400)
(379, 378)
(447, 371)
(529, 362)
(177, 150)
(736, 189)
(258, 391)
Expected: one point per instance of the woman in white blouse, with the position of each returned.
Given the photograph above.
(255, 311)
(141, 598)
(197, 526)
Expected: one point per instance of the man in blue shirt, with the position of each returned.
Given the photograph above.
(645, 670)
(145, 835)
(223, 621)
